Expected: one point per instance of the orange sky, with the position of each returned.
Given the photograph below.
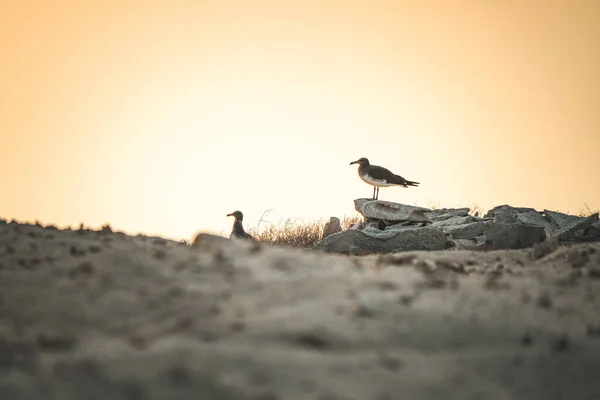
(160, 116)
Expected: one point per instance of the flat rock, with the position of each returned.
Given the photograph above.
(575, 225)
(459, 220)
(395, 240)
(445, 213)
(506, 209)
(389, 211)
(512, 236)
(465, 231)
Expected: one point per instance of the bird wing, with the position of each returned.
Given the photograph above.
(381, 173)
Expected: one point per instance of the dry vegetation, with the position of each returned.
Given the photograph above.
(586, 211)
(296, 233)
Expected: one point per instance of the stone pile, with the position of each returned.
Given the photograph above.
(394, 227)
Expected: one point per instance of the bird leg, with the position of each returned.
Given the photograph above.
(374, 187)
(377, 193)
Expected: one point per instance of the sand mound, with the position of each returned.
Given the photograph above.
(101, 315)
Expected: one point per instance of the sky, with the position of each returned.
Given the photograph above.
(161, 117)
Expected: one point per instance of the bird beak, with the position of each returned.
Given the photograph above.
(229, 215)
(354, 162)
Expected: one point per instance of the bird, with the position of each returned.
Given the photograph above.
(379, 176)
(238, 231)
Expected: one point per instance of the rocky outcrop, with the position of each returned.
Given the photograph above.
(394, 227)
(372, 241)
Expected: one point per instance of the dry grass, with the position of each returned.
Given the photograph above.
(296, 233)
(477, 210)
(586, 211)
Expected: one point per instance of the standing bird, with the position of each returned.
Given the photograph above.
(379, 176)
(238, 231)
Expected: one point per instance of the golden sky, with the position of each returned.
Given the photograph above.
(163, 116)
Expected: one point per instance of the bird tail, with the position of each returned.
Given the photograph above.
(411, 183)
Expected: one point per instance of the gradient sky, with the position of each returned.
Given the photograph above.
(161, 117)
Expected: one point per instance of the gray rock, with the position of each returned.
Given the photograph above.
(594, 230)
(536, 218)
(358, 225)
(461, 244)
(574, 226)
(453, 221)
(505, 217)
(331, 227)
(445, 213)
(465, 231)
(512, 236)
(371, 229)
(384, 241)
(506, 209)
(561, 220)
(374, 223)
(387, 210)
(480, 240)
(399, 225)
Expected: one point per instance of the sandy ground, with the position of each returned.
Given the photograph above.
(91, 315)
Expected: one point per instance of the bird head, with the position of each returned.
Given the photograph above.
(237, 215)
(361, 161)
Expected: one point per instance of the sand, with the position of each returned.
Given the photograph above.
(101, 315)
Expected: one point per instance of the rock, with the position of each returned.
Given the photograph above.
(569, 229)
(535, 218)
(561, 220)
(460, 220)
(505, 218)
(465, 231)
(594, 229)
(387, 241)
(461, 244)
(373, 223)
(399, 225)
(331, 227)
(512, 236)
(445, 213)
(358, 225)
(506, 209)
(480, 240)
(389, 211)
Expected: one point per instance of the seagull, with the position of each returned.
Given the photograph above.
(379, 176)
(238, 231)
